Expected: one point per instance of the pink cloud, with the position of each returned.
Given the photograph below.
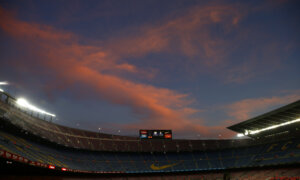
(189, 34)
(101, 68)
(61, 57)
(242, 110)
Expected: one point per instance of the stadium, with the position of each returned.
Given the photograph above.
(151, 89)
(31, 145)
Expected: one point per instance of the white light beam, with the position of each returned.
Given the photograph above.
(240, 135)
(268, 128)
(4, 83)
(23, 102)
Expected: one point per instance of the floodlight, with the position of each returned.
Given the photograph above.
(240, 135)
(4, 83)
(1, 90)
(274, 126)
(24, 103)
(270, 127)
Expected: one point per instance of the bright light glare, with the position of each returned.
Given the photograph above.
(1, 90)
(271, 127)
(246, 132)
(240, 135)
(22, 102)
(4, 83)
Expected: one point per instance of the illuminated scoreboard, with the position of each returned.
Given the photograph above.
(156, 134)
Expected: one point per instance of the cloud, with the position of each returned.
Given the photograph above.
(188, 34)
(33, 31)
(102, 69)
(210, 37)
(243, 109)
(260, 61)
(67, 63)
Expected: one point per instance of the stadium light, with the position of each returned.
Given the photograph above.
(274, 126)
(24, 103)
(240, 135)
(247, 132)
(4, 83)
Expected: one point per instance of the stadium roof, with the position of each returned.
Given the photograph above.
(282, 116)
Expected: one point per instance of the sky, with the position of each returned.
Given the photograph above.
(195, 67)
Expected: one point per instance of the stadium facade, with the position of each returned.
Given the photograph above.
(27, 141)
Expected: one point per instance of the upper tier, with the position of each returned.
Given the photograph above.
(82, 139)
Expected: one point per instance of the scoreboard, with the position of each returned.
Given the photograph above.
(155, 134)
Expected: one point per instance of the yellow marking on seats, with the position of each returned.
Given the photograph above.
(55, 161)
(271, 147)
(12, 138)
(64, 165)
(43, 157)
(284, 147)
(6, 149)
(153, 167)
(22, 150)
(7, 137)
(61, 163)
(51, 160)
(18, 140)
(24, 142)
(35, 155)
(30, 156)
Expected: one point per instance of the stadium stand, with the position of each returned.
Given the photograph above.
(30, 140)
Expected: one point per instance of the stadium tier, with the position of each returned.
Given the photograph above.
(82, 139)
(282, 152)
(37, 142)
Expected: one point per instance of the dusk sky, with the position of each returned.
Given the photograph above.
(195, 67)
